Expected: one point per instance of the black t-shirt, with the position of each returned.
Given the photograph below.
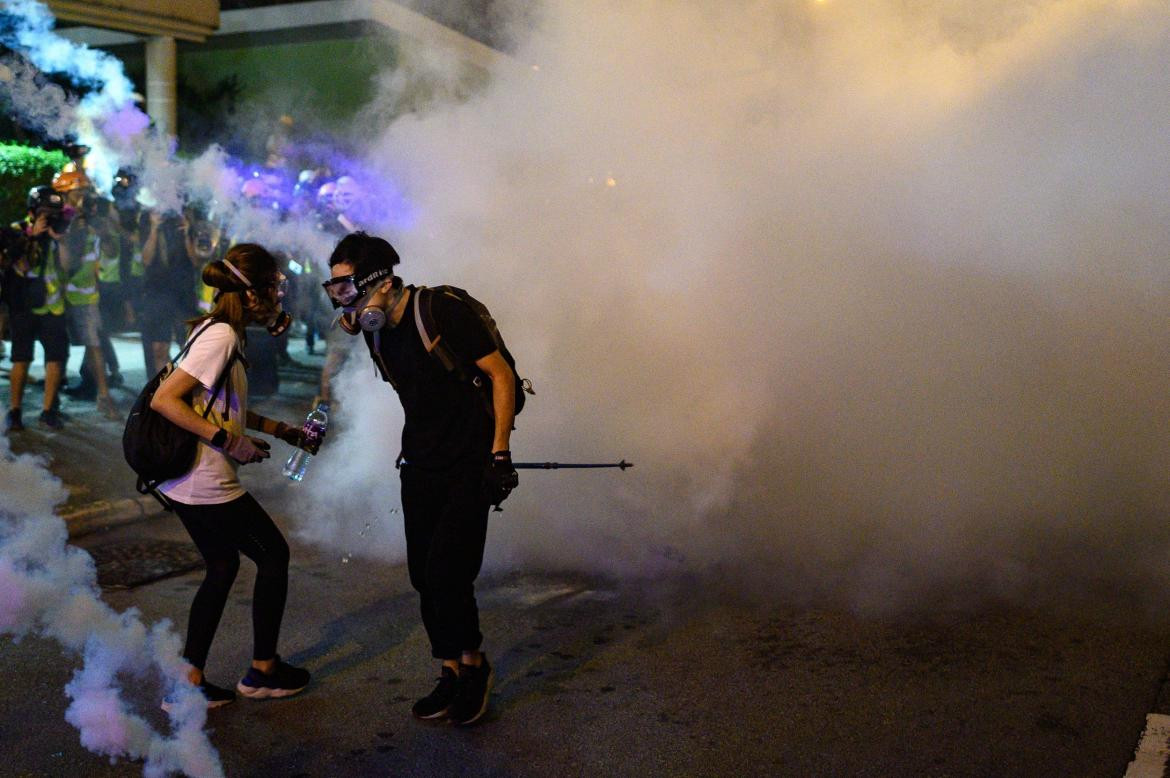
(447, 423)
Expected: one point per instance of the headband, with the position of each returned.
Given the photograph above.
(373, 276)
(239, 275)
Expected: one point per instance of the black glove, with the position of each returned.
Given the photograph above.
(500, 479)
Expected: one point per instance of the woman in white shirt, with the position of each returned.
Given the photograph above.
(219, 514)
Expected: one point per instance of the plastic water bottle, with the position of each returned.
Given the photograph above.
(315, 424)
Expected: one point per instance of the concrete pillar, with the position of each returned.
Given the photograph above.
(161, 75)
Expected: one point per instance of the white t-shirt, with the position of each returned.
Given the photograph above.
(213, 479)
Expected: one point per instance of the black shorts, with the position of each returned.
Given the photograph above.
(50, 330)
(113, 313)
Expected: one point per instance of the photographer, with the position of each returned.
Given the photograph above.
(88, 245)
(454, 463)
(129, 218)
(34, 291)
(168, 289)
(112, 289)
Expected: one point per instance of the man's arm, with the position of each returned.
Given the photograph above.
(503, 396)
(150, 246)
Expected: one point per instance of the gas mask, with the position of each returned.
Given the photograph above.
(280, 323)
(281, 319)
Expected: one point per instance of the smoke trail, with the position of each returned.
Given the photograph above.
(120, 136)
(104, 119)
(49, 590)
(873, 293)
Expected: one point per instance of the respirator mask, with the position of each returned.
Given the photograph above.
(281, 319)
(360, 297)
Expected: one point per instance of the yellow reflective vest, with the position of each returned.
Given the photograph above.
(110, 264)
(49, 269)
(82, 289)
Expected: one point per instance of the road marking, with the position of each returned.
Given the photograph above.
(1150, 757)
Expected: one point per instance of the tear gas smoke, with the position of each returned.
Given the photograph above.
(871, 293)
(49, 590)
(874, 294)
(119, 134)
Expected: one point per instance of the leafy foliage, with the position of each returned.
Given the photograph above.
(22, 168)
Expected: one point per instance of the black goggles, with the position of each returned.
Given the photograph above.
(344, 291)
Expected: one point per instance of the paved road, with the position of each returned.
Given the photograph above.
(594, 679)
(600, 678)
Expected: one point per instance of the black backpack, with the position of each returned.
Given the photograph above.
(435, 346)
(425, 321)
(155, 448)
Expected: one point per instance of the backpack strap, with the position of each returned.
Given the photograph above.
(380, 363)
(225, 377)
(190, 341)
(224, 374)
(424, 320)
(425, 323)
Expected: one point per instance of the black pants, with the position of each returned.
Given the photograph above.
(446, 516)
(221, 532)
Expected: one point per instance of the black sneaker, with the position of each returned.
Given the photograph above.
(83, 391)
(436, 704)
(52, 419)
(471, 698)
(116, 380)
(216, 696)
(13, 422)
(284, 681)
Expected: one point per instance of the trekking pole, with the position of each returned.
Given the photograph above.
(564, 465)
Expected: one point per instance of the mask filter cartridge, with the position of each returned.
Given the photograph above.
(372, 318)
(280, 324)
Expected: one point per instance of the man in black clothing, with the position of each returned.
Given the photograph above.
(455, 463)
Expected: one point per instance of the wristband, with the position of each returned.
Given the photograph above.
(219, 439)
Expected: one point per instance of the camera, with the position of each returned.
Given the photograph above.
(58, 218)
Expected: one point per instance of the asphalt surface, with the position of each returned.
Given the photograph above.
(595, 677)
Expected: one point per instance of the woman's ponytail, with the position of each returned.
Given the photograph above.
(254, 263)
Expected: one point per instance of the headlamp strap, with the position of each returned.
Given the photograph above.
(238, 274)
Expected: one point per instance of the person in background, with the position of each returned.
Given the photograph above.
(88, 239)
(34, 288)
(335, 199)
(168, 289)
(222, 518)
(130, 222)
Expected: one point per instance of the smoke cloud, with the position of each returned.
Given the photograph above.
(50, 590)
(873, 294)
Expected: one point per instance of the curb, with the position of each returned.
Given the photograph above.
(104, 514)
